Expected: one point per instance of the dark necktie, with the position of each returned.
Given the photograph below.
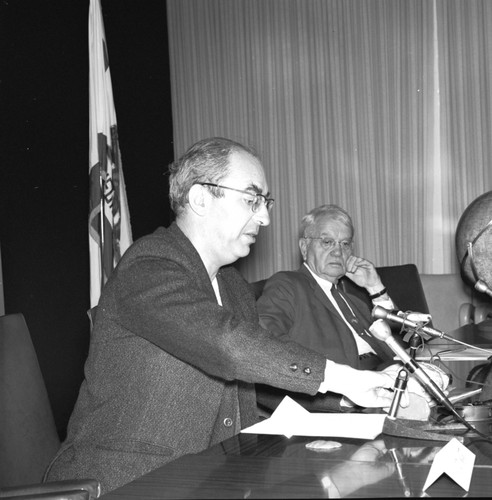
(367, 361)
(347, 312)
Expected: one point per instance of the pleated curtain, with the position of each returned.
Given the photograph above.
(380, 106)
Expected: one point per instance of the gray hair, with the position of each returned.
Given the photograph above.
(333, 211)
(205, 161)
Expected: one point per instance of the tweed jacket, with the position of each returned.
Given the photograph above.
(294, 308)
(169, 370)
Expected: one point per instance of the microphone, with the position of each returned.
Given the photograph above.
(381, 330)
(399, 317)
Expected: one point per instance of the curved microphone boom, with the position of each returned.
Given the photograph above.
(398, 317)
(381, 331)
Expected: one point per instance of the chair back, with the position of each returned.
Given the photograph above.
(28, 435)
(405, 287)
(447, 293)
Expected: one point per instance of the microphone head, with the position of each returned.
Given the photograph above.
(380, 330)
(379, 312)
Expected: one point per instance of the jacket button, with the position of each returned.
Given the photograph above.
(293, 367)
(307, 370)
(228, 422)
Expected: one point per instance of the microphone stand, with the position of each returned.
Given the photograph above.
(414, 429)
(402, 379)
(415, 341)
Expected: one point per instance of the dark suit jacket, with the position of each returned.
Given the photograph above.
(169, 370)
(294, 308)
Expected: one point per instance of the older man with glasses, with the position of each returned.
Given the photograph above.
(308, 307)
(177, 347)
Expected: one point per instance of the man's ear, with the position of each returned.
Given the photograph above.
(196, 199)
(302, 246)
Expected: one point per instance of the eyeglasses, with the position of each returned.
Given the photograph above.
(330, 244)
(254, 200)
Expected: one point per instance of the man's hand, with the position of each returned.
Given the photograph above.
(416, 402)
(363, 273)
(438, 375)
(365, 388)
(371, 390)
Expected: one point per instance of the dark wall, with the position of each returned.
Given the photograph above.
(44, 162)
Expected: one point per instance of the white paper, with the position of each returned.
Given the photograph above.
(454, 459)
(291, 419)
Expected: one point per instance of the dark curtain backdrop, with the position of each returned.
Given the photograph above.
(44, 162)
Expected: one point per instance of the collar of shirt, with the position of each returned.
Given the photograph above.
(215, 285)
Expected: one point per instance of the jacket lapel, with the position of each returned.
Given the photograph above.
(341, 329)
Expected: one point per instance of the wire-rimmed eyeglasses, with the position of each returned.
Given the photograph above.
(329, 243)
(254, 200)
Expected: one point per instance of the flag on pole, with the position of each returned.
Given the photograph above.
(109, 222)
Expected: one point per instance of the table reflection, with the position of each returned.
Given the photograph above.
(261, 466)
(357, 468)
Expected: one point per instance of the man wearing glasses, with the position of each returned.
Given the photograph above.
(176, 346)
(308, 307)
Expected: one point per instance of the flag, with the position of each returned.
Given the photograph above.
(109, 221)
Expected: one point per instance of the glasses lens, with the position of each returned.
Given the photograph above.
(328, 244)
(258, 200)
(256, 203)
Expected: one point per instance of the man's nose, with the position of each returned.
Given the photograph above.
(262, 216)
(337, 248)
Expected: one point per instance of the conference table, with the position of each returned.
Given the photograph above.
(275, 466)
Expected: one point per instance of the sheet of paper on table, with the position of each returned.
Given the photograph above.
(291, 419)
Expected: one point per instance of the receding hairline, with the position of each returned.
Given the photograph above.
(252, 185)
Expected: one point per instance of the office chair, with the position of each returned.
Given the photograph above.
(28, 435)
(453, 302)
